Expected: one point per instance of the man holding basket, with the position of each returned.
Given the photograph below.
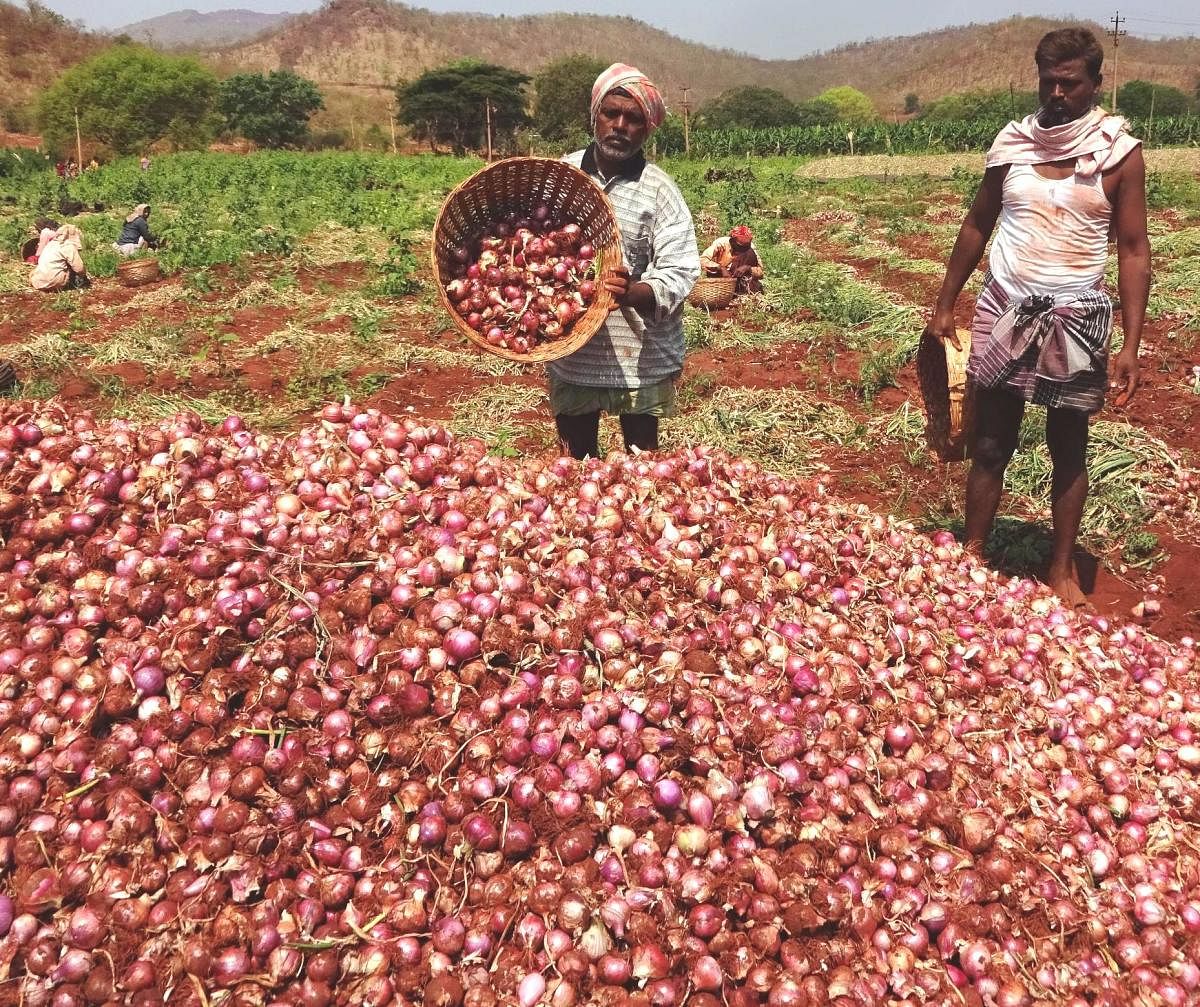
(629, 368)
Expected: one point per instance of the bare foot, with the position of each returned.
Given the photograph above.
(1066, 586)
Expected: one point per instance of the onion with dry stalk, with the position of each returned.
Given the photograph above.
(363, 715)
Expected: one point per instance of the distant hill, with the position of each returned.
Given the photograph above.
(36, 45)
(358, 49)
(192, 29)
(353, 44)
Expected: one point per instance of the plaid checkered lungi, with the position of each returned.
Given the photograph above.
(1048, 350)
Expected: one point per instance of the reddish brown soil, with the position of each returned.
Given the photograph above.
(428, 391)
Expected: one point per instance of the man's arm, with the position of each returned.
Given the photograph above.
(756, 269)
(1133, 270)
(143, 229)
(710, 253)
(675, 265)
(968, 250)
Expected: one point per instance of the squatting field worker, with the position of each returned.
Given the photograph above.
(1059, 183)
(60, 264)
(135, 232)
(734, 255)
(630, 366)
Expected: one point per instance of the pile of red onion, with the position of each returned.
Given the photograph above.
(361, 715)
(525, 281)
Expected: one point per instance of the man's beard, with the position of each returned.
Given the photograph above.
(622, 150)
(1052, 115)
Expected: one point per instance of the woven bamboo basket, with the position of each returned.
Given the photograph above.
(137, 272)
(28, 248)
(949, 396)
(713, 292)
(518, 185)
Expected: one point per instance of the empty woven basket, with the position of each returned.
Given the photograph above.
(136, 272)
(948, 394)
(713, 292)
(518, 185)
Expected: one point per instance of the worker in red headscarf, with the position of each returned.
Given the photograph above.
(734, 255)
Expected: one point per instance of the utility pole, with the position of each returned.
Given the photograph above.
(392, 123)
(487, 113)
(78, 142)
(1116, 33)
(687, 134)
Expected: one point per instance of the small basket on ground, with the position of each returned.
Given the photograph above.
(28, 249)
(949, 396)
(713, 292)
(519, 185)
(138, 272)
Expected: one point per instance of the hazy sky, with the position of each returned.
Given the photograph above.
(771, 28)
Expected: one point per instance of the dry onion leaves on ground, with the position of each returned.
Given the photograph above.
(362, 716)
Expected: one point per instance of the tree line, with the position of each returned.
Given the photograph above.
(130, 96)
(452, 106)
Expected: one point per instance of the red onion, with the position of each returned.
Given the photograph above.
(363, 702)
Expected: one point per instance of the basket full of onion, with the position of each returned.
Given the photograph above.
(518, 252)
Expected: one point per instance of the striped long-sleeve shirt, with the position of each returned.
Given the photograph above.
(659, 244)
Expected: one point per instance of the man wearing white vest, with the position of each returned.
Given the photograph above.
(1059, 184)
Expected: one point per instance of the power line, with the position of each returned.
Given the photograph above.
(1156, 20)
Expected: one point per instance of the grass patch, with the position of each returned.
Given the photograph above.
(332, 243)
(887, 332)
(38, 387)
(199, 281)
(1175, 293)
(14, 277)
(491, 414)
(352, 305)
(1130, 472)
(259, 293)
(154, 299)
(291, 337)
(698, 326)
(371, 383)
(110, 387)
(781, 429)
(905, 426)
(149, 343)
(754, 328)
(1141, 550)
(1128, 469)
(314, 383)
(860, 240)
(48, 351)
(1173, 186)
(403, 355)
(157, 406)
